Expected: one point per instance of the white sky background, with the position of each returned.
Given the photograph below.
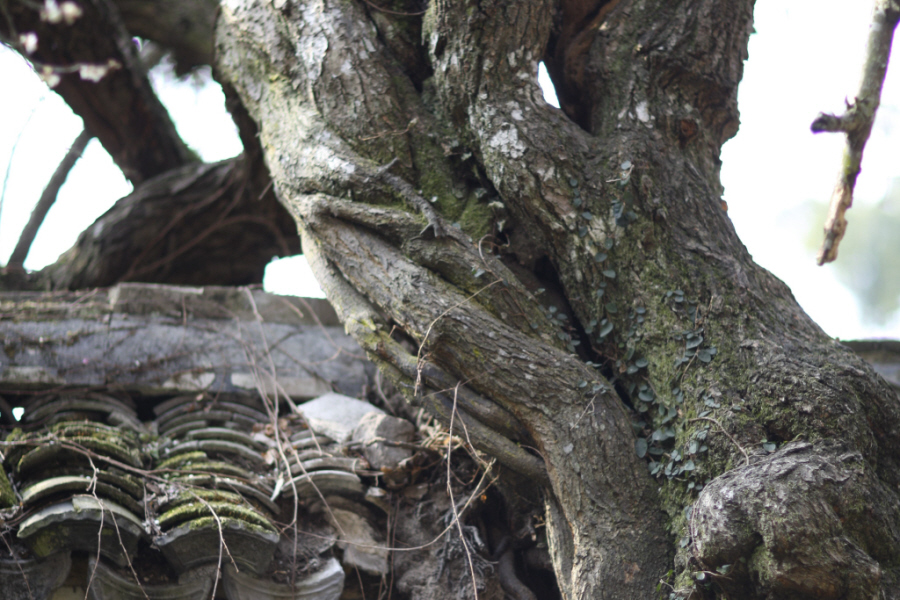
(804, 58)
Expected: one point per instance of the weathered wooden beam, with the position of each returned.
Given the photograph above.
(159, 340)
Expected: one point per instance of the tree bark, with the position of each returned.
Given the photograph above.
(183, 26)
(704, 354)
(198, 225)
(565, 289)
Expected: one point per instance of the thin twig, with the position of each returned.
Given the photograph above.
(431, 325)
(222, 544)
(15, 146)
(136, 268)
(462, 537)
(390, 133)
(394, 12)
(90, 582)
(122, 545)
(477, 491)
(733, 441)
(272, 409)
(857, 122)
(19, 565)
(92, 488)
(409, 193)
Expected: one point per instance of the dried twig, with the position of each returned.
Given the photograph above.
(728, 435)
(136, 268)
(92, 489)
(857, 122)
(394, 12)
(19, 565)
(222, 544)
(456, 519)
(409, 193)
(271, 405)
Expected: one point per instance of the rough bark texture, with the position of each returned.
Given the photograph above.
(183, 26)
(582, 309)
(198, 225)
(620, 216)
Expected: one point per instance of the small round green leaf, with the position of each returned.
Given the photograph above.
(640, 447)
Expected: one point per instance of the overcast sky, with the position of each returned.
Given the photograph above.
(805, 57)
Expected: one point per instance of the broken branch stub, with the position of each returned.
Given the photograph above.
(856, 123)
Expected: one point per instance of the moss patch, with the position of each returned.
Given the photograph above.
(174, 462)
(210, 523)
(196, 510)
(7, 495)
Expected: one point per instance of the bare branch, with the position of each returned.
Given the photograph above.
(198, 225)
(184, 27)
(122, 109)
(48, 197)
(857, 122)
(12, 151)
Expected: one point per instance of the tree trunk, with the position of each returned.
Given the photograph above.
(654, 320)
(562, 288)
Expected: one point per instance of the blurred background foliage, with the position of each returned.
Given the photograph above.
(869, 259)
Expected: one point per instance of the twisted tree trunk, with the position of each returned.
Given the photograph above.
(565, 288)
(782, 441)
